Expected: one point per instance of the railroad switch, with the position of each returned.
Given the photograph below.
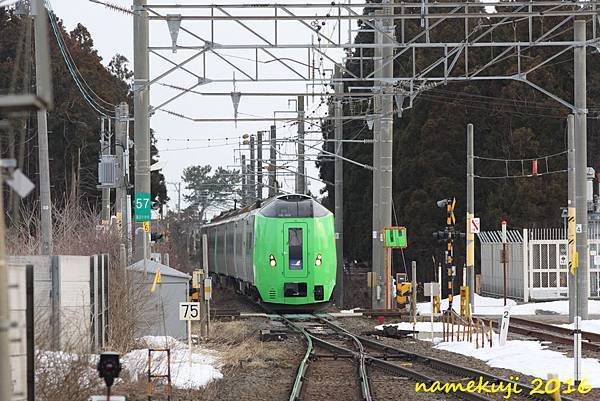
(273, 335)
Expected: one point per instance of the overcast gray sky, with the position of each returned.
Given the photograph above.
(112, 32)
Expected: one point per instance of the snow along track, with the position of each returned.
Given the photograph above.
(549, 332)
(368, 360)
(424, 364)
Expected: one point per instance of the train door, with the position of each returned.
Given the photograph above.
(295, 250)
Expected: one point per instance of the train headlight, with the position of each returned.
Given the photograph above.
(272, 261)
(319, 260)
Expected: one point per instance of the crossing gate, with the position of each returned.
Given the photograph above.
(538, 263)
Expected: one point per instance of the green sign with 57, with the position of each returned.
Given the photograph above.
(141, 207)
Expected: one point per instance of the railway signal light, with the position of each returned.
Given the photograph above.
(109, 367)
(446, 235)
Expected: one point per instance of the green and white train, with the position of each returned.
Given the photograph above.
(282, 250)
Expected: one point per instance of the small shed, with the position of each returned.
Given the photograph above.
(158, 314)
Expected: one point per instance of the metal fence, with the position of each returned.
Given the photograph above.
(537, 263)
(492, 272)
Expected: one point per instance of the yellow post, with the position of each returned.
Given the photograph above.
(555, 394)
(464, 302)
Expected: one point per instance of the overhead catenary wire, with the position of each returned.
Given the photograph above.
(522, 162)
(89, 98)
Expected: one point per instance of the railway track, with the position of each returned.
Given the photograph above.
(372, 356)
(323, 370)
(547, 332)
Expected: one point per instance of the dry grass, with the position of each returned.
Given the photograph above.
(77, 231)
(240, 347)
(71, 374)
(68, 374)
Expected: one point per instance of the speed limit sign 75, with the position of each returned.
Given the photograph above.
(189, 311)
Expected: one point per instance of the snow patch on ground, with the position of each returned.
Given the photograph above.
(203, 368)
(495, 306)
(592, 326)
(527, 357)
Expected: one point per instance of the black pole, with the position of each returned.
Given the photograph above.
(30, 334)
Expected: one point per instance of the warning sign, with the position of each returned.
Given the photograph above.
(475, 225)
(562, 260)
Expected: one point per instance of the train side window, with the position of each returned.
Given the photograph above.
(295, 248)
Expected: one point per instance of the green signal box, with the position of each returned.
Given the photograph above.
(395, 237)
(141, 207)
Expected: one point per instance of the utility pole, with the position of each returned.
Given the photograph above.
(5, 370)
(339, 188)
(122, 152)
(41, 67)
(450, 267)
(574, 294)
(385, 139)
(244, 182)
(387, 125)
(105, 149)
(300, 177)
(377, 268)
(259, 173)
(413, 292)
(571, 219)
(470, 215)
(273, 162)
(252, 176)
(581, 168)
(141, 98)
(179, 197)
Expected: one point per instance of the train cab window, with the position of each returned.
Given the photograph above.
(295, 248)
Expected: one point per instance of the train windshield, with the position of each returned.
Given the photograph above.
(295, 248)
(294, 206)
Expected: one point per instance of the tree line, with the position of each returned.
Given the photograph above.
(511, 121)
(73, 126)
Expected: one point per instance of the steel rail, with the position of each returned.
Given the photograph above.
(551, 333)
(383, 364)
(297, 387)
(366, 392)
(586, 335)
(303, 366)
(453, 368)
(359, 356)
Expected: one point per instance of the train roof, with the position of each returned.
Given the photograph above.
(283, 206)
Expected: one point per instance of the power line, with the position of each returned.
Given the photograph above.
(72, 68)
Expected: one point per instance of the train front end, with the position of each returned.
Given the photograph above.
(294, 254)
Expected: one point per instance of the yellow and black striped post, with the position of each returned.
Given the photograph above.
(450, 222)
(571, 235)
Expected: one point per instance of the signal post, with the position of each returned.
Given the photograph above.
(394, 237)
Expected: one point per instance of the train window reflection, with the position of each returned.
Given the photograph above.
(295, 248)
